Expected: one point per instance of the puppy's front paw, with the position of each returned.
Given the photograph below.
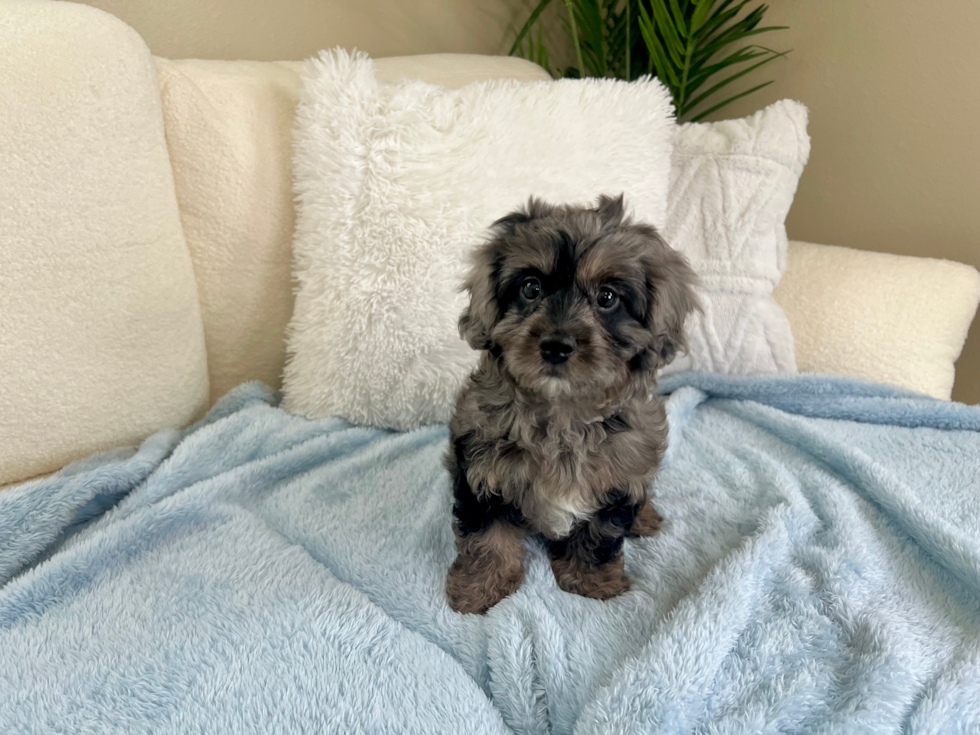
(600, 582)
(474, 585)
(647, 521)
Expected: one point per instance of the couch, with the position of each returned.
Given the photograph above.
(146, 233)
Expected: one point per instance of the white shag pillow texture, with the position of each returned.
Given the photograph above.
(396, 183)
(731, 187)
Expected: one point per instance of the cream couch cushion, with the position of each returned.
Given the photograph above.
(228, 126)
(889, 318)
(100, 331)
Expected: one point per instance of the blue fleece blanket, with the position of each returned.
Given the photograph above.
(819, 572)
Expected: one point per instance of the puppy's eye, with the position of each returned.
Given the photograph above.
(531, 288)
(607, 298)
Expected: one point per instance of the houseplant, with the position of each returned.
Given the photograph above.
(697, 48)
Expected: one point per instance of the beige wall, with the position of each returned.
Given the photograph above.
(893, 88)
(276, 30)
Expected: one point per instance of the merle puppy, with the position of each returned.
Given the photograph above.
(556, 433)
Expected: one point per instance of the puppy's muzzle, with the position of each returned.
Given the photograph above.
(557, 348)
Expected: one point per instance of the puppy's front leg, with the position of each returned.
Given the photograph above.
(590, 561)
(490, 564)
(489, 567)
(647, 521)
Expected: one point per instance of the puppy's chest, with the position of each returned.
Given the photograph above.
(564, 491)
(565, 476)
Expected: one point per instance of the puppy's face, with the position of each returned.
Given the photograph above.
(576, 301)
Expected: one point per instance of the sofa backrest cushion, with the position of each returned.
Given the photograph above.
(888, 318)
(100, 331)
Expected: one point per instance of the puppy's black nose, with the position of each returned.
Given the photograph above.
(557, 348)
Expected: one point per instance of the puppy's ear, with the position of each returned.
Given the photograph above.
(610, 211)
(670, 283)
(481, 315)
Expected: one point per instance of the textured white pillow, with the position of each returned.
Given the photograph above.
(731, 187)
(395, 183)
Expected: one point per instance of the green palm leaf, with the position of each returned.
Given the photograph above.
(658, 54)
(729, 38)
(739, 96)
(678, 18)
(697, 48)
(528, 25)
(721, 17)
(672, 41)
(728, 80)
(699, 16)
(700, 75)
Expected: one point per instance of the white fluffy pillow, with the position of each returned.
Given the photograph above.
(395, 183)
(731, 187)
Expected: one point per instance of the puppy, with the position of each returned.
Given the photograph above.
(556, 433)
